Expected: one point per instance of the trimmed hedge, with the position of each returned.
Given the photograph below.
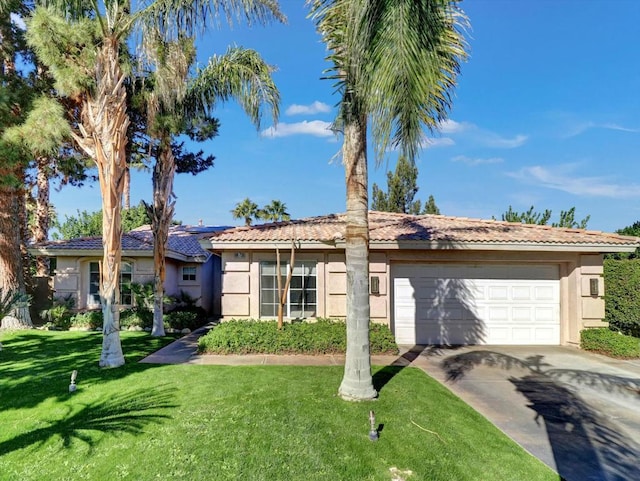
(622, 295)
(325, 336)
(613, 344)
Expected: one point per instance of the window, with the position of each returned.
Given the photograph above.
(301, 297)
(189, 273)
(126, 271)
(126, 274)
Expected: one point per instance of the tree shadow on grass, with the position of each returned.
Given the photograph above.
(37, 365)
(586, 445)
(126, 413)
(383, 375)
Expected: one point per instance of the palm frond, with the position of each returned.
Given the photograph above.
(414, 52)
(240, 74)
(191, 17)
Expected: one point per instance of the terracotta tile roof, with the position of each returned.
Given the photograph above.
(183, 240)
(392, 227)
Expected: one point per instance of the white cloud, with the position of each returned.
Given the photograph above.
(477, 161)
(479, 135)
(314, 108)
(620, 128)
(429, 143)
(494, 140)
(577, 128)
(452, 127)
(316, 128)
(562, 178)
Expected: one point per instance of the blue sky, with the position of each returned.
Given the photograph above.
(546, 113)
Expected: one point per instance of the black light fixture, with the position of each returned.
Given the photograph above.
(375, 285)
(594, 288)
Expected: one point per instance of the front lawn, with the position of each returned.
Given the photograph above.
(186, 422)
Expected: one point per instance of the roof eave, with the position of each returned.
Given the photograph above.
(501, 246)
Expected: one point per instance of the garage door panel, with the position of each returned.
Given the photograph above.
(483, 304)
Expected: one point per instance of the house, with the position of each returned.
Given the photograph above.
(189, 268)
(433, 279)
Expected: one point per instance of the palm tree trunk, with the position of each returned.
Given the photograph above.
(357, 383)
(163, 206)
(104, 137)
(11, 265)
(41, 228)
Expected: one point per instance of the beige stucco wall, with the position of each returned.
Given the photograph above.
(72, 276)
(578, 308)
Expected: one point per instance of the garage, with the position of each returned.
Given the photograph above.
(453, 304)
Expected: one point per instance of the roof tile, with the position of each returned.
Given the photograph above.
(393, 227)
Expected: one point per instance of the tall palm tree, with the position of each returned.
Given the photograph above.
(274, 212)
(247, 210)
(83, 43)
(15, 93)
(178, 102)
(396, 62)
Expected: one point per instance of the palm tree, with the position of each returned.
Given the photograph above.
(15, 93)
(274, 212)
(247, 210)
(83, 43)
(176, 104)
(395, 62)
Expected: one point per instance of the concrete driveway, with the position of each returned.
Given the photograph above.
(577, 412)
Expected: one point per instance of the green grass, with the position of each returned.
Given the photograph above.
(194, 422)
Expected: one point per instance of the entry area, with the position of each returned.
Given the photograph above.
(447, 304)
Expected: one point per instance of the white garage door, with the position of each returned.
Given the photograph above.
(476, 304)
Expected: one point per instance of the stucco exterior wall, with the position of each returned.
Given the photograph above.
(578, 307)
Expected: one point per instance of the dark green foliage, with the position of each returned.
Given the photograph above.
(631, 230)
(567, 218)
(60, 314)
(12, 299)
(136, 317)
(610, 343)
(325, 336)
(89, 224)
(622, 295)
(402, 187)
(87, 319)
(430, 207)
(184, 319)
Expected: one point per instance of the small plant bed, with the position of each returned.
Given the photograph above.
(325, 336)
(144, 422)
(610, 343)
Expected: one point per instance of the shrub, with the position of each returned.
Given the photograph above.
(610, 343)
(622, 299)
(10, 300)
(136, 317)
(188, 319)
(325, 336)
(59, 315)
(87, 319)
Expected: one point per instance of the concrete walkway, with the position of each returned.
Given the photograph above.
(577, 412)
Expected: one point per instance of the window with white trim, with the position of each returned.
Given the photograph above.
(189, 273)
(126, 276)
(301, 296)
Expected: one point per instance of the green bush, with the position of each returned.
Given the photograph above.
(87, 319)
(188, 319)
(610, 343)
(60, 313)
(325, 336)
(622, 295)
(136, 317)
